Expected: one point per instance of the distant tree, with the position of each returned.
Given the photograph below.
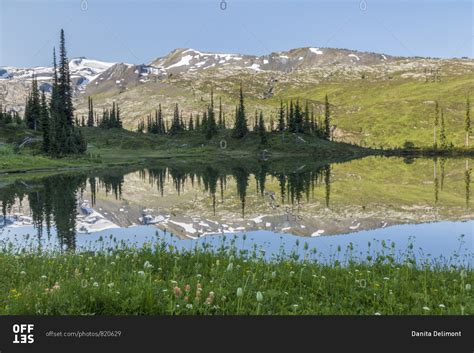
(442, 133)
(221, 123)
(327, 119)
(211, 126)
(240, 127)
(291, 118)
(262, 132)
(191, 123)
(33, 107)
(90, 115)
(435, 125)
(45, 124)
(175, 124)
(307, 121)
(467, 127)
(281, 118)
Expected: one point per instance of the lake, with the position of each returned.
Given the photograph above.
(311, 208)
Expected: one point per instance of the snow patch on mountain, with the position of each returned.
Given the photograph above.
(316, 51)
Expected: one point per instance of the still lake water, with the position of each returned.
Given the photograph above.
(273, 206)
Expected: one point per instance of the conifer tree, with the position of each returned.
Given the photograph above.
(327, 119)
(307, 122)
(211, 126)
(198, 122)
(291, 119)
(262, 132)
(45, 125)
(281, 117)
(240, 128)
(191, 123)
(435, 125)
(175, 124)
(442, 133)
(90, 115)
(220, 123)
(467, 127)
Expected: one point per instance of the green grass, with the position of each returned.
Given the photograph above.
(162, 280)
(370, 112)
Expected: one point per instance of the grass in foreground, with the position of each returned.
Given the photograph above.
(162, 280)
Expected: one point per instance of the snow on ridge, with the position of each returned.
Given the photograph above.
(316, 51)
(354, 56)
(185, 60)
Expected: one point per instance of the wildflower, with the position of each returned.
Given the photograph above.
(111, 284)
(230, 266)
(199, 286)
(44, 277)
(174, 283)
(141, 273)
(386, 278)
(22, 273)
(177, 291)
(240, 292)
(56, 286)
(218, 262)
(463, 274)
(323, 277)
(147, 265)
(468, 287)
(112, 263)
(189, 306)
(292, 273)
(274, 274)
(377, 314)
(442, 306)
(425, 308)
(198, 275)
(95, 284)
(259, 296)
(210, 298)
(187, 288)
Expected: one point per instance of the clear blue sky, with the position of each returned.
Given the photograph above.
(139, 31)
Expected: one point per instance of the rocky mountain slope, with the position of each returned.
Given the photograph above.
(366, 90)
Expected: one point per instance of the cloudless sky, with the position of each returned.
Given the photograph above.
(140, 31)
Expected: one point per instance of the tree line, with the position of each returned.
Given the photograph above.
(292, 117)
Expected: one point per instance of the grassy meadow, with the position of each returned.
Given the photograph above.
(160, 280)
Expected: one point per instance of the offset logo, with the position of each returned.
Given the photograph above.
(23, 333)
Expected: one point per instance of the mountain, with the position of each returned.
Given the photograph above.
(376, 98)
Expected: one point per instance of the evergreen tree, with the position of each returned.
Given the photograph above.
(221, 124)
(198, 122)
(327, 119)
(307, 122)
(33, 107)
(468, 120)
(314, 128)
(298, 117)
(281, 118)
(45, 125)
(291, 119)
(211, 126)
(175, 124)
(262, 132)
(64, 137)
(442, 133)
(90, 115)
(240, 128)
(435, 125)
(191, 123)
